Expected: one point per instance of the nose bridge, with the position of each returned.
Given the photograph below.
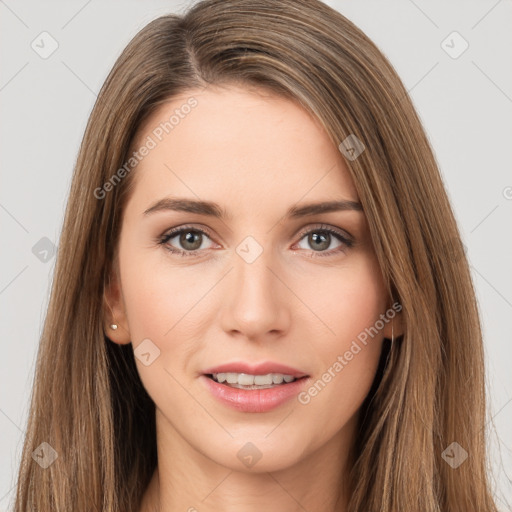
(255, 306)
(251, 268)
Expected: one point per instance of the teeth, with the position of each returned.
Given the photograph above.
(243, 379)
(262, 380)
(231, 378)
(246, 379)
(277, 378)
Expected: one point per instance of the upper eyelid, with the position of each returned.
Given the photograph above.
(171, 233)
(323, 227)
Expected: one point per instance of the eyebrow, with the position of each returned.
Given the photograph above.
(215, 210)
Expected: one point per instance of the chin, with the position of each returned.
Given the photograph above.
(252, 452)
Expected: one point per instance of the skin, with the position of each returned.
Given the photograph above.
(256, 154)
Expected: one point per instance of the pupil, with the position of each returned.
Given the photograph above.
(189, 238)
(322, 238)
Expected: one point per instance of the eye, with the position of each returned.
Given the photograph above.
(190, 239)
(322, 238)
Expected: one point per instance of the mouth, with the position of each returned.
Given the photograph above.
(254, 388)
(251, 381)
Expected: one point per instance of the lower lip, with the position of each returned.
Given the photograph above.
(254, 400)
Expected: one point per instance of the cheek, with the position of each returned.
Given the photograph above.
(160, 299)
(163, 306)
(348, 354)
(349, 301)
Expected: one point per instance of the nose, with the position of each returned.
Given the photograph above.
(257, 305)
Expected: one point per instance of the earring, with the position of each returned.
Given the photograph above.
(113, 326)
(392, 336)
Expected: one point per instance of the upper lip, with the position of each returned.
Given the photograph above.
(256, 369)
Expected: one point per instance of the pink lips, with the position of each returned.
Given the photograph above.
(254, 400)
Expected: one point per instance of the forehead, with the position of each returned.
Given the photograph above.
(237, 146)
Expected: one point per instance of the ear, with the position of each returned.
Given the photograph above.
(114, 311)
(393, 321)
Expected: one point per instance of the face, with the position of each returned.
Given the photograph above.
(251, 288)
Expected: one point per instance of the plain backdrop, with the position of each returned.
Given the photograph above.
(463, 96)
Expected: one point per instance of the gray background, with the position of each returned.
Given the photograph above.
(464, 102)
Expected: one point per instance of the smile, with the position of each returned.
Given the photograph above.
(248, 381)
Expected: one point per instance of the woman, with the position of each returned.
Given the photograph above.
(260, 299)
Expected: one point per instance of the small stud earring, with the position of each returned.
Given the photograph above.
(113, 326)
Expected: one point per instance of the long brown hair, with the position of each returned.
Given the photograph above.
(88, 402)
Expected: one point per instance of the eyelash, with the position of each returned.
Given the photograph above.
(320, 229)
